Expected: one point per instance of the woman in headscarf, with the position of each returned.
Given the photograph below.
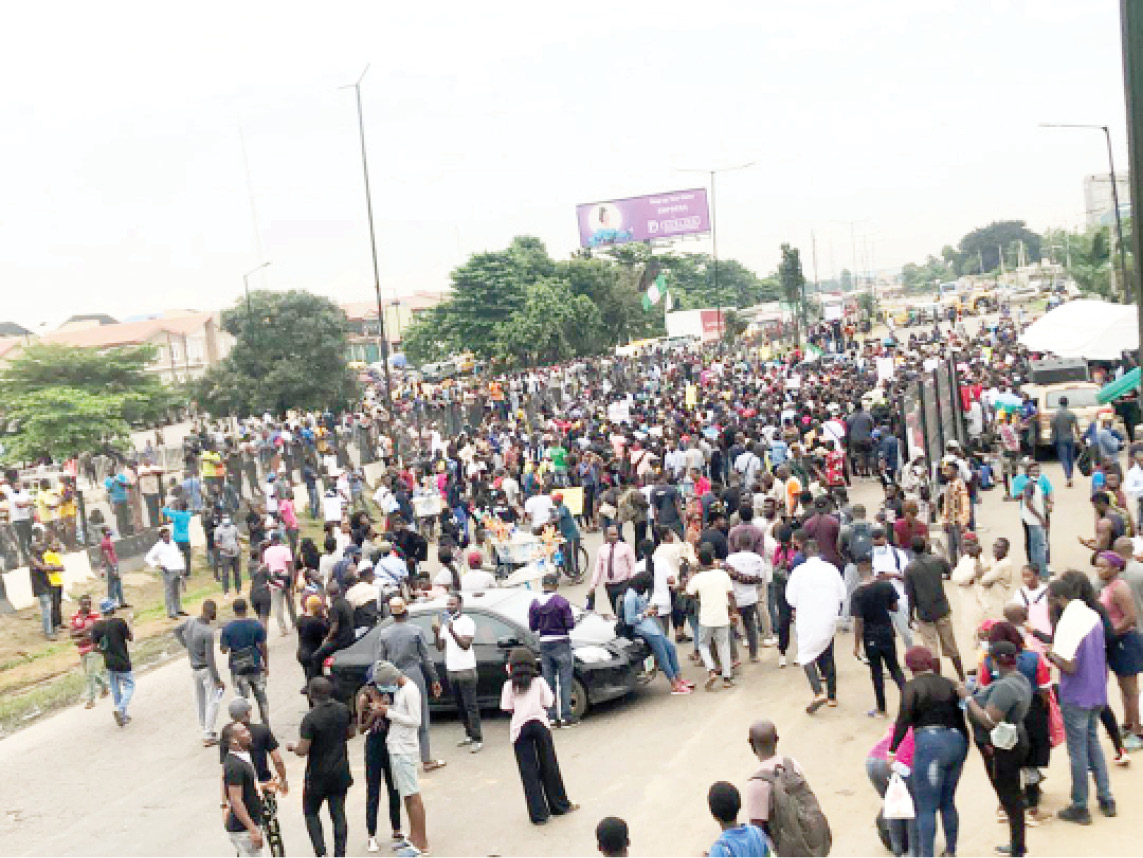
(930, 705)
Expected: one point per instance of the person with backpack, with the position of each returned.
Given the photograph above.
(855, 545)
(779, 799)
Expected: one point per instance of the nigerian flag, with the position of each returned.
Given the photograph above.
(655, 292)
(813, 351)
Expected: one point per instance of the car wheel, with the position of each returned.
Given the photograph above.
(579, 701)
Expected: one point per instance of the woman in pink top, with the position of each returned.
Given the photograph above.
(898, 835)
(528, 697)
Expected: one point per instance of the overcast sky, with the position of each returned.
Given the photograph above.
(126, 189)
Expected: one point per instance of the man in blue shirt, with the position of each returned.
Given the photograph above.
(180, 519)
(117, 488)
(565, 524)
(244, 639)
(736, 840)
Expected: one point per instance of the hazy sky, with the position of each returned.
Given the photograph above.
(125, 189)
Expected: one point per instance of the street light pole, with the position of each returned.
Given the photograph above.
(1131, 19)
(246, 289)
(389, 407)
(1127, 291)
(714, 226)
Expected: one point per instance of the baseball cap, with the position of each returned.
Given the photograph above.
(385, 676)
(556, 496)
(475, 558)
(107, 606)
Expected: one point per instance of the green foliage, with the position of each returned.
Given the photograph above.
(926, 277)
(553, 324)
(60, 422)
(986, 242)
(290, 353)
(733, 325)
(427, 339)
(792, 283)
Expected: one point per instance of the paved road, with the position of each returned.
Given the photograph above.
(78, 785)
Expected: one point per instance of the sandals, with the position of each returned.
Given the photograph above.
(433, 765)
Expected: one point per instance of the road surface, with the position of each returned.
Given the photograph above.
(76, 784)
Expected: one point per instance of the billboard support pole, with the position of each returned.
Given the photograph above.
(714, 248)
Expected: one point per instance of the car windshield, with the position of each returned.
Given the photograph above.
(589, 626)
(1078, 397)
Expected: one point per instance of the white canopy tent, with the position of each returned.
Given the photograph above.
(1092, 330)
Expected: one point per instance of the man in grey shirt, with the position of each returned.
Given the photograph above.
(1065, 429)
(405, 646)
(197, 636)
(1133, 575)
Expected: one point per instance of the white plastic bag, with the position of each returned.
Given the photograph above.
(898, 802)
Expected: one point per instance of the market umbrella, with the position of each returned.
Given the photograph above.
(1120, 387)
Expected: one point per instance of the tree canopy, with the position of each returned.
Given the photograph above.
(519, 305)
(290, 353)
(66, 400)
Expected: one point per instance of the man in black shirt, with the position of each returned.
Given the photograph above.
(340, 633)
(715, 534)
(110, 637)
(873, 606)
(263, 745)
(324, 733)
(243, 801)
(929, 608)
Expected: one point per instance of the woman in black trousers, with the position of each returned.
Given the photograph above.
(528, 697)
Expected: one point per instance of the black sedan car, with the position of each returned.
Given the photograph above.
(606, 666)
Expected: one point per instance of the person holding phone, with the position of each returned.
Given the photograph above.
(453, 632)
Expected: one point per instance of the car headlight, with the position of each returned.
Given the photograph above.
(593, 654)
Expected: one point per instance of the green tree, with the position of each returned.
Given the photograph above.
(42, 366)
(429, 339)
(986, 242)
(61, 422)
(846, 280)
(290, 353)
(793, 283)
(733, 325)
(553, 325)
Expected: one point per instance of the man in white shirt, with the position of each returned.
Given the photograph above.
(748, 464)
(715, 593)
(889, 564)
(538, 508)
(748, 571)
(477, 578)
(20, 507)
(391, 569)
(454, 632)
(403, 745)
(165, 555)
(816, 592)
(333, 507)
(511, 489)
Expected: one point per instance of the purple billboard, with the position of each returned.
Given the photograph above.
(643, 218)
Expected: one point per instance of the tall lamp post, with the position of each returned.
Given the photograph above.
(389, 407)
(246, 289)
(714, 225)
(1127, 291)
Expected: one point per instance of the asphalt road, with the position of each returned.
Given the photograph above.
(76, 784)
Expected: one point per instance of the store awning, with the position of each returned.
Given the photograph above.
(1119, 387)
(1092, 330)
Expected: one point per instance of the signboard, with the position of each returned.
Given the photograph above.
(711, 325)
(666, 215)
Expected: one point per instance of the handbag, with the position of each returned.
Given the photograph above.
(1056, 733)
(1004, 736)
(898, 802)
(246, 662)
(1084, 461)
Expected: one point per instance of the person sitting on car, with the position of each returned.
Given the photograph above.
(641, 618)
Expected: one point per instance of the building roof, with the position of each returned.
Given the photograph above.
(414, 303)
(11, 329)
(127, 333)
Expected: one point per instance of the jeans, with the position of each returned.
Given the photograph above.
(463, 685)
(243, 845)
(1003, 769)
(721, 637)
(902, 832)
(226, 565)
(557, 664)
(750, 624)
(665, 653)
(154, 518)
(57, 607)
(820, 668)
(901, 623)
(1066, 450)
(1038, 549)
(312, 801)
(122, 689)
(123, 522)
(94, 675)
(937, 764)
(377, 766)
(115, 587)
(279, 598)
(23, 529)
(882, 651)
(1085, 753)
(247, 684)
(772, 606)
(207, 698)
(45, 600)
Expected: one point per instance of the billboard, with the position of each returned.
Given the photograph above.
(643, 218)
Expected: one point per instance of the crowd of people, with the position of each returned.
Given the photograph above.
(721, 485)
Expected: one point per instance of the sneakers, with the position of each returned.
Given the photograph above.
(569, 723)
(465, 742)
(373, 845)
(781, 661)
(1107, 808)
(119, 719)
(681, 688)
(1076, 814)
(816, 704)
(727, 683)
(475, 747)
(1121, 759)
(1133, 743)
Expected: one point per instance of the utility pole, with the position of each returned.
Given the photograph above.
(814, 251)
(1131, 18)
(389, 406)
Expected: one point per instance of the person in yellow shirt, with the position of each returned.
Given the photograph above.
(53, 563)
(68, 512)
(47, 507)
